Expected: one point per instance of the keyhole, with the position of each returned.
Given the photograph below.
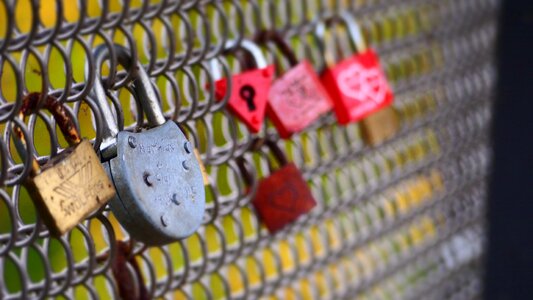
(247, 93)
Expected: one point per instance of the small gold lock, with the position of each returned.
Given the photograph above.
(202, 166)
(70, 185)
(380, 126)
(196, 152)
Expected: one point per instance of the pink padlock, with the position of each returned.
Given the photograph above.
(297, 97)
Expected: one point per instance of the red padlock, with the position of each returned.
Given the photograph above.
(297, 98)
(357, 84)
(282, 197)
(249, 89)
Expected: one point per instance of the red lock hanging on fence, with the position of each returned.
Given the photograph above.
(249, 89)
(356, 84)
(283, 196)
(297, 97)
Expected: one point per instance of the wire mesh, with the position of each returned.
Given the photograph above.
(403, 220)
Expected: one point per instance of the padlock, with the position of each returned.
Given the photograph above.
(160, 191)
(297, 98)
(357, 84)
(72, 184)
(249, 89)
(283, 196)
(380, 126)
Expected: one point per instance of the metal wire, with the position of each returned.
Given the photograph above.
(403, 220)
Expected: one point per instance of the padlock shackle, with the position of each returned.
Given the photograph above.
(354, 30)
(278, 153)
(144, 92)
(273, 146)
(30, 103)
(20, 146)
(255, 145)
(64, 121)
(247, 177)
(275, 37)
(247, 45)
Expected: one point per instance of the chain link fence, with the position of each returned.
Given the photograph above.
(402, 220)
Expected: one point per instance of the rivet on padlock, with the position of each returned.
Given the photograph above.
(249, 89)
(71, 185)
(160, 191)
(357, 84)
(283, 196)
(297, 98)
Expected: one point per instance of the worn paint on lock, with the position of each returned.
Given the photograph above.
(160, 189)
(70, 187)
(282, 198)
(358, 87)
(249, 95)
(297, 99)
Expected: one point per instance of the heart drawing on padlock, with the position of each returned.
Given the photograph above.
(362, 84)
(358, 87)
(284, 198)
(281, 197)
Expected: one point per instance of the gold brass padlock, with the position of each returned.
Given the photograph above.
(202, 166)
(380, 126)
(196, 152)
(70, 185)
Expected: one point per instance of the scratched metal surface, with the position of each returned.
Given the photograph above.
(403, 220)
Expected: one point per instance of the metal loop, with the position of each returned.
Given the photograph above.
(247, 45)
(142, 85)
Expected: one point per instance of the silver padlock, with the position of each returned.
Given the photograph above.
(160, 191)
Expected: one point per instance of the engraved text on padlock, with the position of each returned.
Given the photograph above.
(297, 99)
(157, 171)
